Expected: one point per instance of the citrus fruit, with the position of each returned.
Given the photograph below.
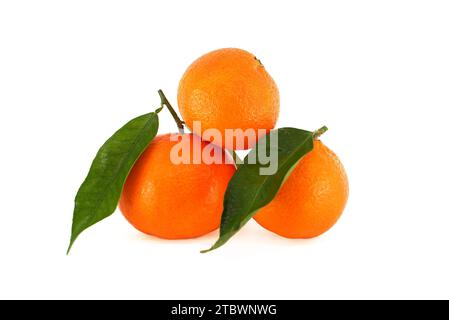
(312, 198)
(175, 201)
(229, 89)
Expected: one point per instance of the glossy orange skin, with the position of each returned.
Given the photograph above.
(229, 89)
(174, 201)
(311, 200)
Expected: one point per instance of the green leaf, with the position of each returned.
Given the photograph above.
(249, 190)
(98, 196)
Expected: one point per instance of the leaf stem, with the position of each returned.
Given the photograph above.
(317, 134)
(164, 102)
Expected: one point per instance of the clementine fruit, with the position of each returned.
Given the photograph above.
(175, 201)
(312, 198)
(229, 89)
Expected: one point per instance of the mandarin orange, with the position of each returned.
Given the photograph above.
(175, 201)
(229, 89)
(312, 198)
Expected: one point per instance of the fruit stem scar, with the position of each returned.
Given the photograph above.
(164, 102)
(316, 134)
(258, 60)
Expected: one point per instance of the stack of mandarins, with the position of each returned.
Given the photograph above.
(229, 89)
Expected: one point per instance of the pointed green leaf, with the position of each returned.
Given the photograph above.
(249, 190)
(100, 192)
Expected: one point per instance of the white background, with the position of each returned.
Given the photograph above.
(375, 72)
